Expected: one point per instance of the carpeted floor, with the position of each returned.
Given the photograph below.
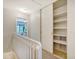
(47, 55)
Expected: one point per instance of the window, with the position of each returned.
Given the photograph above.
(21, 27)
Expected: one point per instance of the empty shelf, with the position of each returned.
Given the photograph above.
(60, 42)
(60, 20)
(60, 15)
(60, 28)
(59, 35)
(59, 49)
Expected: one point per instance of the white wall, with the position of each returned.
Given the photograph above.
(9, 25)
(35, 25)
(71, 29)
(47, 28)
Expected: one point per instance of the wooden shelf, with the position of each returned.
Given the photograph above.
(60, 28)
(60, 20)
(60, 42)
(60, 10)
(59, 49)
(59, 35)
(60, 15)
(60, 54)
(59, 4)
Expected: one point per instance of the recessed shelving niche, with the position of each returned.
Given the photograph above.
(60, 28)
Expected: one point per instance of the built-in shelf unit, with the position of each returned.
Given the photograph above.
(60, 28)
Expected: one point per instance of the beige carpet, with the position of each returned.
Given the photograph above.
(9, 55)
(47, 55)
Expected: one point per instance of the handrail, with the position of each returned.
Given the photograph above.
(29, 39)
(35, 48)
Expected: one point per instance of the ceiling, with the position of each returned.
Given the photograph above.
(26, 4)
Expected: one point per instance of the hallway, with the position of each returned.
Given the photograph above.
(39, 29)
